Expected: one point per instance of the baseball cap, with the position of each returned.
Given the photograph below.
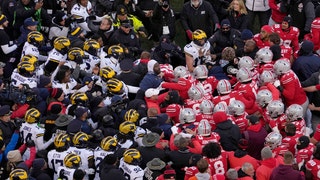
(122, 10)
(126, 23)
(30, 22)
(151, 92)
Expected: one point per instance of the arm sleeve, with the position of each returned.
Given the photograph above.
(289, 89)
(273, 5)
(11, 146)
(40, 144)
(32, 157)
(184, 18)
(8, 49)
(197, 149)
(310, 15)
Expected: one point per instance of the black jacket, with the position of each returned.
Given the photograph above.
(111, 172)
(229, 135)
(180, 160)
(148, 153)
(221, 40)
(204, 17)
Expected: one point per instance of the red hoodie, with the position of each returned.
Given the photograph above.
(264, 171)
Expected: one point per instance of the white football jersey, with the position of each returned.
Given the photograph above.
(55, 55)
(138, 135)
(17, 79)
(99, 155)
(55, 160)
(31, 131)
(85, 154)
(91, 62)
(194, 49)
(81, 11)
(29, 49)
(109, 61)
(66, 173)
(131, 172)
(66, 87)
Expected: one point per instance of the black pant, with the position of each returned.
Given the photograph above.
(263, 18)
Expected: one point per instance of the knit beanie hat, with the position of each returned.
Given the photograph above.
(55, 107)
(44, 80)
(3, 19)
(246, 34)
(14, 156)
(56, 92)
(96, 101)
(169, 173)
(307, 46)
(38, 163)
(219, 117)
(288, 19)
(225, 22)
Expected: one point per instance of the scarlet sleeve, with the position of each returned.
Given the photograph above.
(289, 88)
(197, 148)
(32, 156)
(275, 92)
(273, 5)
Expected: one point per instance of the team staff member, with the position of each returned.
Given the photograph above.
(7, 49)
(198, 14)
(6, 126)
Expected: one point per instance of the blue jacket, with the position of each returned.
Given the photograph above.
(11, 146)
(150, 80)
(305, 65)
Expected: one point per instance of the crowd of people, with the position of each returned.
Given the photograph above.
(81, 99)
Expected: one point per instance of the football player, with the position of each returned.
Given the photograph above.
(129, 164)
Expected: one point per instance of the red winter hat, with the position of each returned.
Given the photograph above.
(56, 92)
(267, 29)
(219, 117)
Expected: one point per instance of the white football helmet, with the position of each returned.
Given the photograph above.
(206, 107)
(221, 106)
(264, 55)
(195, 92)
(246, 62)
(273, 140)
(200, 72)
(236, 108)
(264, 97)
(281, 66)
(294, 112)
(275, 108)
(204, 128)
(224, 87)
(267, 76)
(244, 75)
(180, 71)
(187, 115)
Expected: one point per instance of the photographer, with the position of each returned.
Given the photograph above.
(163, 15)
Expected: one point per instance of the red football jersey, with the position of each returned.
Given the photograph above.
(291, 141)
(288, 38)
(314, 166)
(305, 154)
(203, 140)
(209, 85)
(219, 164)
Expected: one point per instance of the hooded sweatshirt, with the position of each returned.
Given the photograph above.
(286, 172)
(264, 171)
